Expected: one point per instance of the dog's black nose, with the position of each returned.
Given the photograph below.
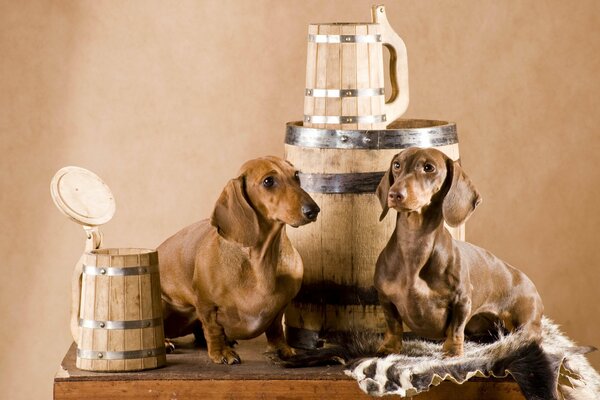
(310, 211)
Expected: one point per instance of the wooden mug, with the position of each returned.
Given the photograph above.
(344, 75)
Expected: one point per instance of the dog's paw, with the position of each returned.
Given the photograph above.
(169, 346)
(452, 348)
(226, 356)
(390, 346)
(285, 352)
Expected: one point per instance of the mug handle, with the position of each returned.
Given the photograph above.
(398, 102)
(93, 242)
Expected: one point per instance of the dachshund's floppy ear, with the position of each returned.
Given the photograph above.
(462, 197)
(383, 189)
(234, 217)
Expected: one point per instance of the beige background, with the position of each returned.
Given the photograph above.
(165, 100)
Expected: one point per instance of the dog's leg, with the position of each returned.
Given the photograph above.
(276, 338)
(392, 341)
(218, 350)
(527, 315)
(455, 333)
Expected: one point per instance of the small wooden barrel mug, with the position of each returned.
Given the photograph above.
(116, 310)
(120, 313)
(344, 75)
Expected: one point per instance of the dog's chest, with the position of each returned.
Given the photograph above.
(258, 292)
(425, 311)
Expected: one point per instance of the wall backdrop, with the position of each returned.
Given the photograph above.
(165, 100)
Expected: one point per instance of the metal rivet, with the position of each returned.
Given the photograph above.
(149, 353)
(308, 92)
(384, 118)
(367, 139)
(348, 39)
(102, 324)
(103, 271)
(308, 118)
(100, 355)
(344, 138)
(381, 9)
(147, 324)
(348, 93)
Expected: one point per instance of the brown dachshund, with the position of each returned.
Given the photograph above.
(234, 275)
(438, 286)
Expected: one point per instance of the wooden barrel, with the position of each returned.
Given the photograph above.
(341, 170)
(120, 318)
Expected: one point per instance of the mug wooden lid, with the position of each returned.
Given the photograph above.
(82, 196)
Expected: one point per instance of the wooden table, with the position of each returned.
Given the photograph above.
(189, 374)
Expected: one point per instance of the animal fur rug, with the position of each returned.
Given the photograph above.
(555, 370)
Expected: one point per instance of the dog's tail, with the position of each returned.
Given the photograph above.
(344, 348)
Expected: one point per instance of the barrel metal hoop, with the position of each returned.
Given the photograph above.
(332, 39)
(136, 324)
(119, 355)
(436, 136)
(335, 93)
(345, 119)
(359, 182)
(112, 271)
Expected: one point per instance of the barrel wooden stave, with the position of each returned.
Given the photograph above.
(121, 298)
(340, 250)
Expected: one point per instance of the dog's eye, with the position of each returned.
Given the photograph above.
(396, 165)
(428, 168)
(297, 176)
(268, 181)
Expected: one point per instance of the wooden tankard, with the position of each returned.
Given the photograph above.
(344, 75)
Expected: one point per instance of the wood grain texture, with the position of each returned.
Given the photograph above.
(344, 66)
(189, 374)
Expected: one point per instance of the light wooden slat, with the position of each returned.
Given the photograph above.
(320, 103)
(101, 314)
(363, 104)
(333, 105)
(86, 340)
(116, 338)
(349, 106)
(133, 339)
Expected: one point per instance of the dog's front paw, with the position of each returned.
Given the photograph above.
(453, 348)
(285, 352)
(390, 346)
(225, 356)
(169, 346)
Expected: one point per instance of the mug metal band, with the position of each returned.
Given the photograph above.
(365, 182)
(344, 38)
(119, 355)
(111, 271)
(334, 93)
(345, 119)
(137, 324)
(442, 134)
